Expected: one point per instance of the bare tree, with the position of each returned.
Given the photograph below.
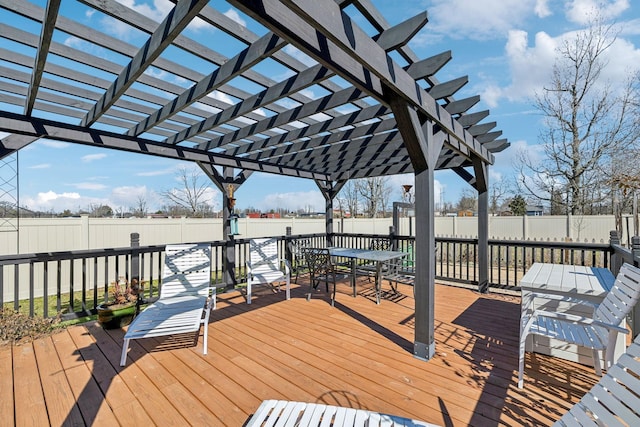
(468, 200)
(100, 211)
(193, 193)
(624, 180)
(141, 206)
(498, 191)
(375, 191)
(587, 123)
(349, 198)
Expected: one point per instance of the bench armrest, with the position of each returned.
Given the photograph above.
(578, 319)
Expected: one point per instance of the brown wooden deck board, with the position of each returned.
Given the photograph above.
(60, 400)
(6, 387)
(355, 354)
(30, 408)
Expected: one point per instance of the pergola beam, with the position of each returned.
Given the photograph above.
(14, 123)
(177, 19)
(400, 35)
(48, 26)
(14, 142)
(244, 60)
(429, 66)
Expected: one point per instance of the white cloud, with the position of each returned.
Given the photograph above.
(531, 66)
(40, 166)
(127, 196)
(292, 201)
(299, 55)
(234, 15)
(158, 11)
(53, 144)
(58, 202)
(581, 11)
(89, 186)
(160, 172)
(542, 8)
(50, 195)
(221, 96)
(478, 20)
(118, 28)
(91, 157)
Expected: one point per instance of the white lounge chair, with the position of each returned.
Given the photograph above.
(264, 266)
(598, 333)
(615, 399)
(302, 414)
(186, 296)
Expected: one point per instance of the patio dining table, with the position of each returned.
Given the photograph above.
(379, 257)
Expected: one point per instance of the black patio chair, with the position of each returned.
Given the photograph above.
(297, 257)
(321, 270)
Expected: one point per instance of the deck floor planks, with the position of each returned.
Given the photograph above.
(115, 393)
(188, 369)
(355, 354)
(30, 406)
(232, 403)
(89, 397)
(155, 403)
(59, 398)
(189, 393)
(353, 374)
(6, 386)
(360, 367)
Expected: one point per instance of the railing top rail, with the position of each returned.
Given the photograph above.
(84, 253)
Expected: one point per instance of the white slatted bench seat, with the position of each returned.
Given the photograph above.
(186, 297)
(615, 399)
(290, 413)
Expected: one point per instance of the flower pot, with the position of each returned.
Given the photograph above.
(114, 316)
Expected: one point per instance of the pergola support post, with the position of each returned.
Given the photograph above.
(329, 191)
(482, 185)
(424, 344)
(423, 140)
(227, 183)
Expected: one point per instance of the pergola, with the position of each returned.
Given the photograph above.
(360, 104)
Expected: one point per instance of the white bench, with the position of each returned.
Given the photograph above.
(290, 413)
(615, 399)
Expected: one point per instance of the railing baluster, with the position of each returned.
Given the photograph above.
(45, 288)
(71, 288)
(105, 295)
(95, 282)
(31, 290)
(16, 288)
(59, 286)
(84, 284)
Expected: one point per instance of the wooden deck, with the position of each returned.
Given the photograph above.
(356, 354)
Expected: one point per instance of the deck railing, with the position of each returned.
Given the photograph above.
(456, 258)
(75, 283)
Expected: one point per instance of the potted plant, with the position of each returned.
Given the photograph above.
(122, 304)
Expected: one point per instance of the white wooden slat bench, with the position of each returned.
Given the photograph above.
(615, 399)
(290, 413)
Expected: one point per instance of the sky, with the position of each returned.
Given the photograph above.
(506, 47)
